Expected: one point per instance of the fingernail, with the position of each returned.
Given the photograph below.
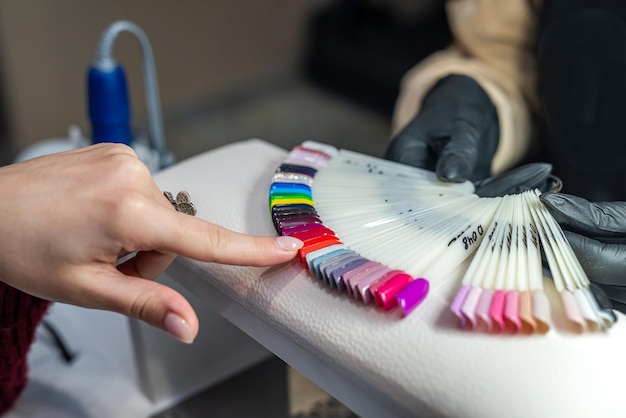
(288, 243)
(453, 169)
(178, 328)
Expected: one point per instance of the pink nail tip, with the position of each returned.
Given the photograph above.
(412, 295)
(457, 303)
(496, 311)
(385, 294)
(482, 310)
(381, 283)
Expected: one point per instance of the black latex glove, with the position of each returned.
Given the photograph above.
(455, 133)
(527, 177)
(597, 234)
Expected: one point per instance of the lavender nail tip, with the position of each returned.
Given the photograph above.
(458, 302)
(412, 295)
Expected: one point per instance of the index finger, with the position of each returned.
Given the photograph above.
(188, 236)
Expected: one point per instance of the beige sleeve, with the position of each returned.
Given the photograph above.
(493, 44)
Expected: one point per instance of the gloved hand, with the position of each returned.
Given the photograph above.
(526, 177)
(455, 133)
(597, 234)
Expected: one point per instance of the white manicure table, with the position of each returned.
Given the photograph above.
(378, 363)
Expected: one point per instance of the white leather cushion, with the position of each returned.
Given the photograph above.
(424, 361)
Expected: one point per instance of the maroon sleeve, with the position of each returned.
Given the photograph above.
(20, 314)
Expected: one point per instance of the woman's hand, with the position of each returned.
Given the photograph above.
(66, 219)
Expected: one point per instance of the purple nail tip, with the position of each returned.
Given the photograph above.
(412, 295)
(470, 304)
(298, 228)
(457, 303)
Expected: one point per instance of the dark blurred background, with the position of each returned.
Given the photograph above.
(280, 70)
(362, 49)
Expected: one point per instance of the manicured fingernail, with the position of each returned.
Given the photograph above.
(178, 328)
(288, 243)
